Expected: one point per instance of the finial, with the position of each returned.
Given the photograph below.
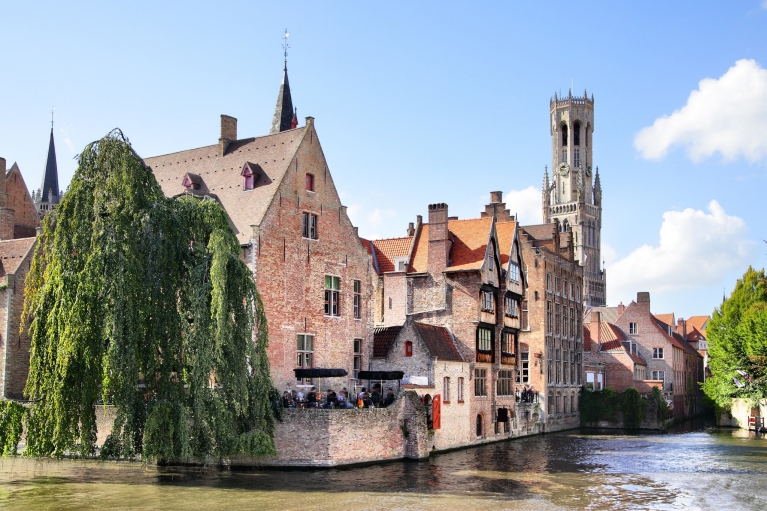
(585, 95)
(285, 46)
(53, 109)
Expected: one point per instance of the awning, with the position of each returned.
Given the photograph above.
(318, 372)
(380, 375)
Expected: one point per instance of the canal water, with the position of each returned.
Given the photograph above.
(694, 467)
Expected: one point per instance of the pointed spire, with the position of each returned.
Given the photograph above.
(50, 186)
(283, 113)
(545, 177)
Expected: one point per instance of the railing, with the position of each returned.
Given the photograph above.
(526, 396)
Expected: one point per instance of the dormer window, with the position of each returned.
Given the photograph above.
(248, 177)
(191, 182)
(309, 182)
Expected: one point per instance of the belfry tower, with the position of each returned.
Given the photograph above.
(571, 198)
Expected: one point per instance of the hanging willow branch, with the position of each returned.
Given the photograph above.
(142, 301)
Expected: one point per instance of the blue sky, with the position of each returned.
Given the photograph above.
(418, 103)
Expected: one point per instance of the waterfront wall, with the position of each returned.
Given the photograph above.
(740, 410)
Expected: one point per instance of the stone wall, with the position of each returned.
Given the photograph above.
(740, 410)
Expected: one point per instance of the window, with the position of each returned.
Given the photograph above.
(514, 272)
(357, 299)
(524, 367)
(577, 134)
(659, 375)
(480, 377)
(505, 383)
(445, 389)
(600, 381)
(548, 316)
(559, 400)
(557, 286)
(564, 155)
(357, 358)
(564, 367)
(557, 315)
(632, 328)
(564, 134)
(548, 282)
(484, 339)
(408, 349)
(488, 301)
(524, 319)
(564, 404)
(304, 355)
(309, 182)
(577, 158)
(590, 380)
(657, 353)
(400, 264)
(512, 307)
(479, 425)
(572, 322)
(564, 284)
(490, 261)
(248, 179)
(572, 403)
(309, 225)
(507, 343)
(459, 390)
(332, 292)
(572, 287)
(551, 404)
(550, 363)
(577, 293)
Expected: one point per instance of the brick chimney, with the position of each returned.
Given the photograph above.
(643, 300)
(496, 208)
(3, 195)
(596, 318)
(621, 308)
(439, 244)
(681, 327)
(410, 229)
(496, 197)
(228, 133)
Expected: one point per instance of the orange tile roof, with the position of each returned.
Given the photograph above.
(12, 253)
(612, 338)
(666, 318)
(390, 248)
(469, 243)
(699, 323)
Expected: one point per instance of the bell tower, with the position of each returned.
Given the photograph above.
(573, 196)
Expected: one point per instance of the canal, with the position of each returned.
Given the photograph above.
(693, 467)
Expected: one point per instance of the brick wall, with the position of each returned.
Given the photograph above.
(26, 219)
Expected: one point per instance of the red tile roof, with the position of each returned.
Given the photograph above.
(12, 253)
(438, 342)
(666, 318)
(383, 340)
(389, 249)
(699, 323)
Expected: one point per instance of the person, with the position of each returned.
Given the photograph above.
(375, 396)
(330, 399)
(311, 398)
(361, 394)
(286, 401)
(389, 399)
(300, 396)
(341, 399)
(366, 401)
(531, 393)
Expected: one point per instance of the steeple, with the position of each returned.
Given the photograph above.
(283, 113)
(597, 189)
(48, 195)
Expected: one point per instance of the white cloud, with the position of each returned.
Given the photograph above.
(696, 249)
(726, 116)
(526, 204)
(764, 4)
(68, 142)
(609, 255)
(378, 216)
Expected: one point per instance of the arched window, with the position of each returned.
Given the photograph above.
(309, 182)
(564, 135)
(577, 133)
(479, 424)
(247, 177)
(408, 349)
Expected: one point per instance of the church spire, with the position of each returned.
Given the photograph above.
(50, 187)
(283, 112)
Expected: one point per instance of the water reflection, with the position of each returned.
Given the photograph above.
(697, 468)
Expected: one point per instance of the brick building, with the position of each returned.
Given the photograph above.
(18, 229)
(310, 267)
(551, 342)
(466, 278)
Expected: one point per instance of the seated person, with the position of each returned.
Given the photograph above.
(311, 398)
(331, 400)
(366, 401)
(287, 402)
(389, 399)
(375, 396)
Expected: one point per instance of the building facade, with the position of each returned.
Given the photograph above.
(572, 198)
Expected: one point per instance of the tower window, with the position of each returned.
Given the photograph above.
(577, 156)
(577, 133)
(564, 135)
(564, 155)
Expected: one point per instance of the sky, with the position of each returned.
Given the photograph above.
(417, 103)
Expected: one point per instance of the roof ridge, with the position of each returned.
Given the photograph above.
(394, 238)
(216, 145)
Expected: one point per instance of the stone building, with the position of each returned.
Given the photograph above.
(310, 267)
(18, 229)
(571, 198)
(466, 278)
(551, 342)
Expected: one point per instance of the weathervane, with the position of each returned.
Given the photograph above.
(285, 45)
(52, 110)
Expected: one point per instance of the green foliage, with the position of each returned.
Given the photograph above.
(141, 301)
(658, 402)
(627, 408)
(633, 408)
(737, 341)
(12, 418)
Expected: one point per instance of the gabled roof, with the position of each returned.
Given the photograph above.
(469, 244)
(667, 318)
(693, 334)
(608, 314)
(699, 323)
(438, 342)
(221, 174)
(390, 248)
(612, 339)
(12, 253)
(675, 339)
(383, 340)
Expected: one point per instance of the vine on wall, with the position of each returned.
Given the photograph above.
(142, 301)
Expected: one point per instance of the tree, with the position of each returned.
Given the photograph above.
(142, 301)
(737, 343)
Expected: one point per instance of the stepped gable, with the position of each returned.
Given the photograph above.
(469, 244)
(390, 248)
(12, 253)
(384, 339)
(221, 175)
(438, 342)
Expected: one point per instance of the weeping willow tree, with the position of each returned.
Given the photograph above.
(141, 301)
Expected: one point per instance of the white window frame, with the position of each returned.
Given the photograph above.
(400, 264)
(657, 353)
(514, 272)
(309, 225)
(633, 328)
(446, 389)
(304, 357)
(333, 293)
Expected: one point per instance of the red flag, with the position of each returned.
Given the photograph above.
(294, 122)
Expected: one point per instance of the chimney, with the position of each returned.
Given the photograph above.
(410, 229)
(228, 133)
(439, 245)
(496, 197)
(595, 329)
(681, 327)
(310, 121)
(643, 300)
(621, 308)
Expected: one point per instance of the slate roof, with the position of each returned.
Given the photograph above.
(383, 340)
(540, 232)
(390, 248)
(438, 342)
(220, 176)
(608, 314)
(469, 245)
(12, 253)
(51, 175)
(283, 112)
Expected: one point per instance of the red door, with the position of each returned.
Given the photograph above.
(436, 411)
